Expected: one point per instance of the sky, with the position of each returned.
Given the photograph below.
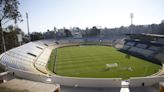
(45, 14)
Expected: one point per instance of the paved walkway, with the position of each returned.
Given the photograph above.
(82, 89)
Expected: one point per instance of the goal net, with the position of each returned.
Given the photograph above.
(112, 65)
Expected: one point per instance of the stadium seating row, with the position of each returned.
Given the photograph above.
(28, 57)
(154, 48)
(125, 47)
(145, 50)
(141, 45)
(141, 51)
(130, 43)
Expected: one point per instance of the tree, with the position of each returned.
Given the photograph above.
(8, 11)
(67, 33)
(94, 31)
(49, 34)
(11, 39)
(36, 36)
(55, 29)
(10, 27)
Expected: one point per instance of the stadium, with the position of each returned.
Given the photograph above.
(134, 63)
(81, 46)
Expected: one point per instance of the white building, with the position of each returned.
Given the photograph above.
(76, 32)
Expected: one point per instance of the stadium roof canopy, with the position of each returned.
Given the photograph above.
(148, 35)
(155, 35)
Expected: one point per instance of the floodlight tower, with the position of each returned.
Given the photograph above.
(28, 26)
(131, 17)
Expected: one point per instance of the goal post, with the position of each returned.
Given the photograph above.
(112, 65)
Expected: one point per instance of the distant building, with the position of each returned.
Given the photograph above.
(60, 33)
(76, 32)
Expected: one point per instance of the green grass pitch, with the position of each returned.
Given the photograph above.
(90, 62)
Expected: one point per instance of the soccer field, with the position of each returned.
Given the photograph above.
(94, 61)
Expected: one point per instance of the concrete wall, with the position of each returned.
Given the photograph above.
(29, 76)
(87, 82)
(148, 81)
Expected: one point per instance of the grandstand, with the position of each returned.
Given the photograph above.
(146, 48)
(29, 62)
(27, 57)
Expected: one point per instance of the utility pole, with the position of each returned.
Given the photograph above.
(28, 26)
